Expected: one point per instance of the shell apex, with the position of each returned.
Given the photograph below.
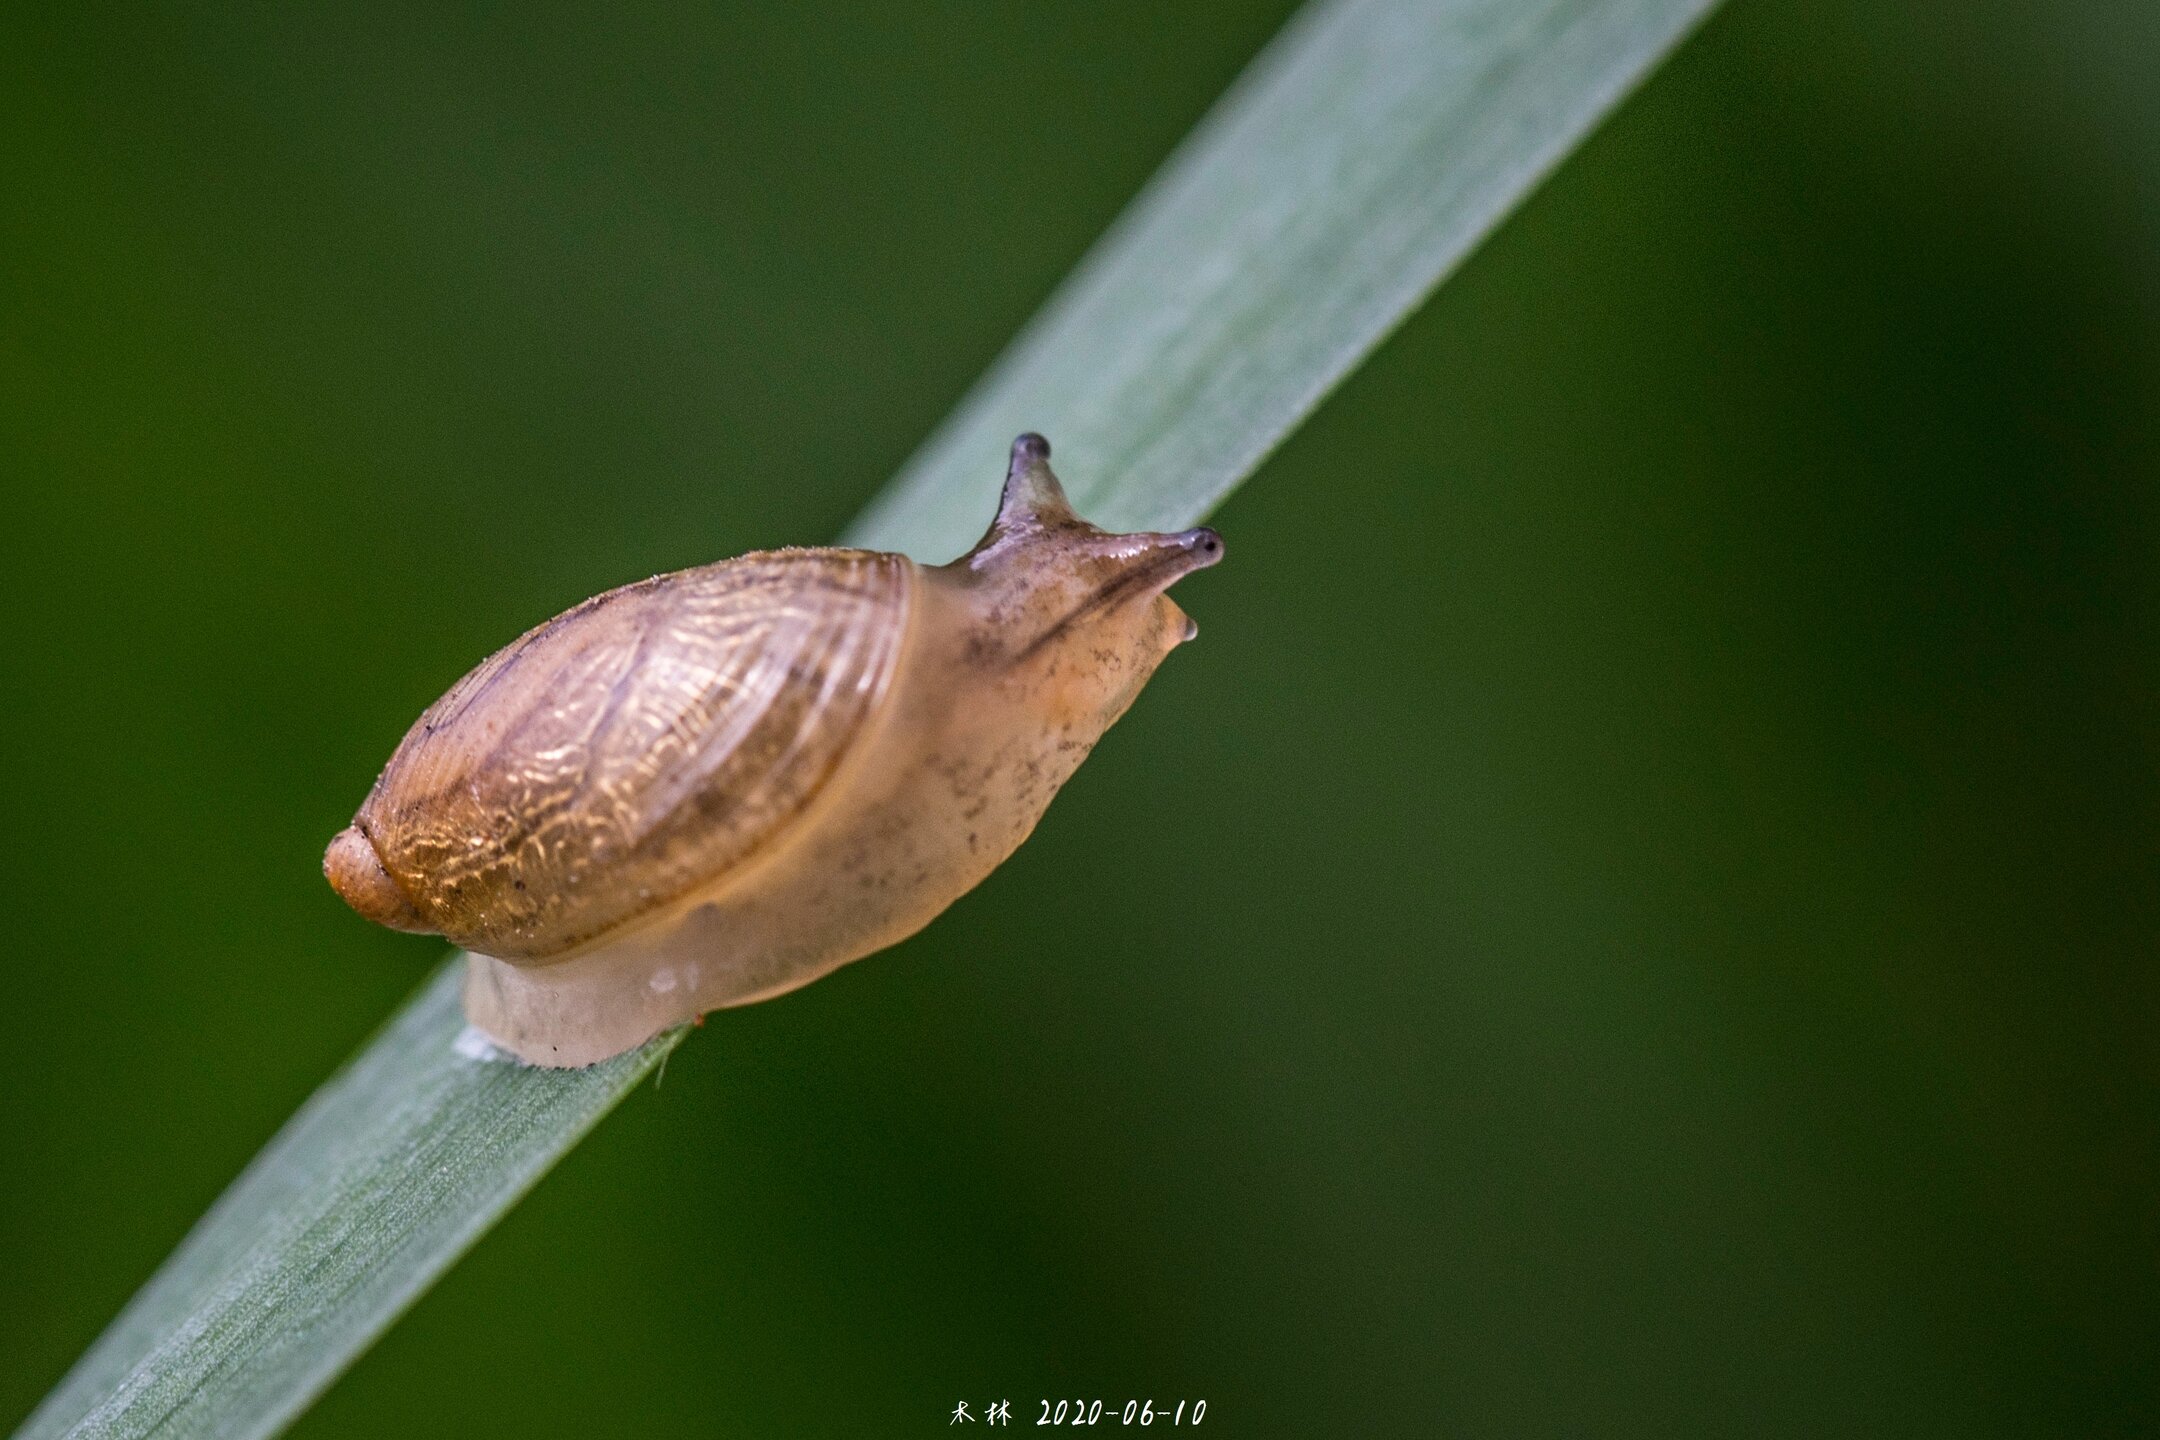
(356, 872)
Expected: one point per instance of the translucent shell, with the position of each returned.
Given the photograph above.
(637, 747)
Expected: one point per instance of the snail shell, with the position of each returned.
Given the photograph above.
(714, 786)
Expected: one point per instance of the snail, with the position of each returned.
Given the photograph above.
(714, 786)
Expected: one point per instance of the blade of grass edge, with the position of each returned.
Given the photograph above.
(376, 1185)
(1356, 162)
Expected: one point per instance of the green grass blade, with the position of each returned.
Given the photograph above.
(1358, 160)
(388, 1174)
(1353, 165)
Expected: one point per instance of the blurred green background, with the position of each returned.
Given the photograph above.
(1636, 918)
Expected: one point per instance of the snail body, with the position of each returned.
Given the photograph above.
(718, 785)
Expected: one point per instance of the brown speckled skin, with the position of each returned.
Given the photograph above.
(708, 847)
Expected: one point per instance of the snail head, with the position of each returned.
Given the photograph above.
(1055, 579)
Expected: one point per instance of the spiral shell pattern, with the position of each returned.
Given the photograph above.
(637, 747)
